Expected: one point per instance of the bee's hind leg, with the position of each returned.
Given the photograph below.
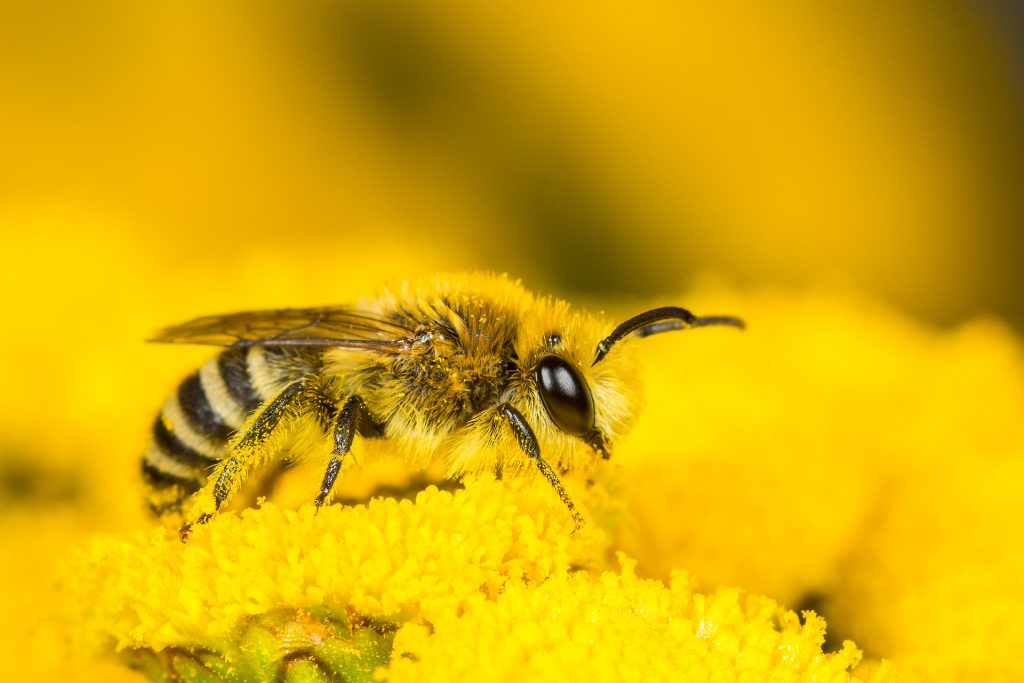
(528, 442)
(348, 421)
(231, 471)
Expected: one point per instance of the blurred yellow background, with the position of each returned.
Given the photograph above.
(165, 161)
(586, 147)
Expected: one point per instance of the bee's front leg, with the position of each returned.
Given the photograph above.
(248, 451)
(528, 442)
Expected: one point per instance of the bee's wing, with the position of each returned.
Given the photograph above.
(342, 327)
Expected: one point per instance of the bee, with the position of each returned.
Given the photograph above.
(471, 368)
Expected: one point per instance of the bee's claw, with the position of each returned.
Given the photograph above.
(595, 439)
(186, 529)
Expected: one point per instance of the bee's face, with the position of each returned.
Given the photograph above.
(574, 403)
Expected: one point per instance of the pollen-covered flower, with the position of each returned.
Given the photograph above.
(616, 627)
(390, 559)
(487, 583)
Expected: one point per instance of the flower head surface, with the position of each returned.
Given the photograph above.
(616, 627)
(483, 584)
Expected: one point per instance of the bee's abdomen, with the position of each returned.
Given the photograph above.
(233, 370)
(192, 431)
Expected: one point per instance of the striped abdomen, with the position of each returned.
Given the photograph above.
(191, 433)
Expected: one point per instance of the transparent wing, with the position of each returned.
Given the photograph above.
(329, 326)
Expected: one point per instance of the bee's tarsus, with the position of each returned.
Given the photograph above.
(329, 476)
(595, 439)
(186, 529)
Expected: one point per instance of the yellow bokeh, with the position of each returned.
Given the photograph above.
(594, 147)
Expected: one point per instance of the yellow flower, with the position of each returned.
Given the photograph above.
(487, 583)
(616, 627)
(389, 559)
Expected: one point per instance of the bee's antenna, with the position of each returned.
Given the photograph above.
(658, 320)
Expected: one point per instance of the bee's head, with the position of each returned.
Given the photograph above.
(563, 384)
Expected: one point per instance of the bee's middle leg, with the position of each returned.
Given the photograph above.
(528, 442)
(344, 426)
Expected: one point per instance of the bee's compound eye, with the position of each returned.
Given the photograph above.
(566, 395)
